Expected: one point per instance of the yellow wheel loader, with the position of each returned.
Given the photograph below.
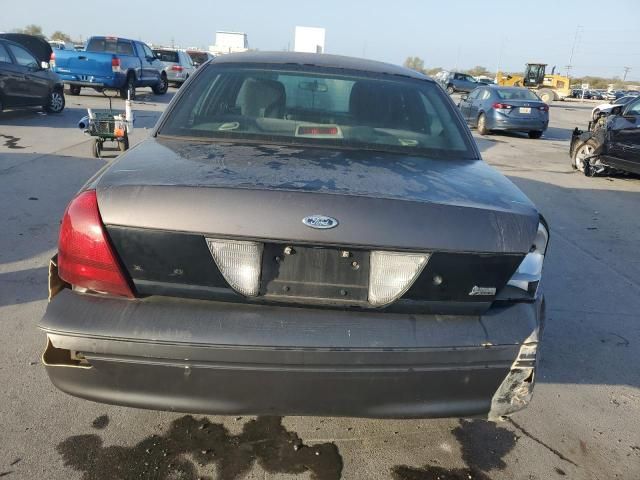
(549, 87)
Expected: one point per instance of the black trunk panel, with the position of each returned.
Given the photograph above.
(180, 264)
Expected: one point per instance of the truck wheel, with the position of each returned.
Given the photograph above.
(74, 90)
(55, 103)
(162, 87)
(580, 155)
(547, 96)
(482, 125)
(129, 89)
(451, 90)
(535, 134)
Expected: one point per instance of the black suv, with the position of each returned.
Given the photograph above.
(25, 79)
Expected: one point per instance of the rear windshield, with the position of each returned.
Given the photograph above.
(310, 107)
(517, 94)
(110, 45)
(167, 55)
(198, 57)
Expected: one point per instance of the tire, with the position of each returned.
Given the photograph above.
(586, 149)
(482, 125)
(1, 106)
(162, 87)
(56, 102)
(535, 134)
(123, 145)
(129, 89)
(547, 96)
(96, 148)
(596, 114)
(74, 90)
(451, 90)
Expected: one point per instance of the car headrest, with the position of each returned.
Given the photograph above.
(262, 98)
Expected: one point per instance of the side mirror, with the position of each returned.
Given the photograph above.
(44, 65)
(464, 98)
(151, 59)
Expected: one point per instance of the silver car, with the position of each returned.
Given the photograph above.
(177, 65)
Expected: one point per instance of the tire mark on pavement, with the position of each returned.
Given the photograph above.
(12, 142)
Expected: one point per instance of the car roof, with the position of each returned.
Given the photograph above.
(318, 60)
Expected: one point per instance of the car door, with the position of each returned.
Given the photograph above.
(11, 79)
(33, 88)
(623, 150)
(150, 65)
(474, 107)
(465, 105)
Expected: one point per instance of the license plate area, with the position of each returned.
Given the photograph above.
(307, 274)
(525, 109)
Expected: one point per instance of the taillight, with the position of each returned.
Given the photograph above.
(85, 257)
(177, 68)
(115, 65)
(544, 108)
(502, 106)
(52, 60)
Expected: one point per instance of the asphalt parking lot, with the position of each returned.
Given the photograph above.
(583, 423)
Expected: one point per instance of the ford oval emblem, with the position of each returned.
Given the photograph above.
(321, 222)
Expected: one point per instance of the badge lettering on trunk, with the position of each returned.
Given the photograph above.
(477, 291)
(321, 222)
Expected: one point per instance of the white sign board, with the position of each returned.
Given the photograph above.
(309, 40)
(585, 86)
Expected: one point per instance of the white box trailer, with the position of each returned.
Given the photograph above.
(309, 40)
(229, 42)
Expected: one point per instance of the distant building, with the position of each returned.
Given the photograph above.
(309, 40)
(229, 42)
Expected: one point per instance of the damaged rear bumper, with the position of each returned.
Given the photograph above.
(224, 358)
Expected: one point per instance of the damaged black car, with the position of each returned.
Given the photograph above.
(610, 145)
(301, 235)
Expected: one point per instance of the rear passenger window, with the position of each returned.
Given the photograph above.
(4, 55)
(23, 57)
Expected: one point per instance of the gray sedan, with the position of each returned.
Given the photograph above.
(301, 234)
(514, 109)
(177, 65)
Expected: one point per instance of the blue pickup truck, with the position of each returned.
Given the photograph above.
(110, 63)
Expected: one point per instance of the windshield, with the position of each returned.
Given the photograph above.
(517, 94)
(623, 100)
(110, 45)
(167, 55)
(277, 106)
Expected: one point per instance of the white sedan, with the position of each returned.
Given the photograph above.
(605, 108)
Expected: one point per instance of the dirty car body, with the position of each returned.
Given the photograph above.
(302, 234)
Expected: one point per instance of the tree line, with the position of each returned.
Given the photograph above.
(37, 31)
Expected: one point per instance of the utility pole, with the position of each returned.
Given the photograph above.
(573, 48)
(626, 70)
(568, 67)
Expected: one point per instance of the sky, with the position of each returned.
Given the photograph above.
(458, 34)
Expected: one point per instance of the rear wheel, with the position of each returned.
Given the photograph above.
(547, 96)
(535, 134)
(56, 102)
(129, 89)
(96, 148)
(74, 90)
(596, 114)
(583, 154)
(162, 87)
(123, 145)
(482, 125)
